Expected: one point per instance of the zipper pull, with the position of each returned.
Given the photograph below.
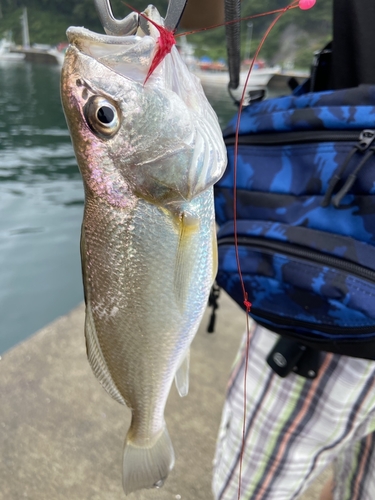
(366, 138)
(351, 179)
(335, 179)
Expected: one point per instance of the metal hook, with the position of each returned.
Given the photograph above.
(174, 13)
(130, 23)
(113, 26)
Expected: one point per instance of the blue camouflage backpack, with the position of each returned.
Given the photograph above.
(305, 218)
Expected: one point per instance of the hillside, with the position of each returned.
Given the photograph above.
(292, 41)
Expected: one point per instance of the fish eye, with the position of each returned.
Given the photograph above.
(102, 116)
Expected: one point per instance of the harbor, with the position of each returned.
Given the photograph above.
(61, 435)
(35, 53)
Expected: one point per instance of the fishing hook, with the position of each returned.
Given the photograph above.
(174, 13)
(130, 23)
(113, 26)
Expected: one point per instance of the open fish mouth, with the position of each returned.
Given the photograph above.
(129, 56)
(167, 129)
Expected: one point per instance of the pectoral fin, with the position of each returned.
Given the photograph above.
(94, 352)
(96, 358)
(188, 226)
(182, 376)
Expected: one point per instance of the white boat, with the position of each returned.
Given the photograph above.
(6, 54)
(258, 77)
(38, 52)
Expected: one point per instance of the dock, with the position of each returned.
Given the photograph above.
(61, 435)
(52, 57)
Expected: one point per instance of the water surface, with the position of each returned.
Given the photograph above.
(40, 204)
(41, 201)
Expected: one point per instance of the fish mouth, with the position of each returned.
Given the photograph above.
(130, 56)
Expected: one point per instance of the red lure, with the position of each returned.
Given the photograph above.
(164, 43)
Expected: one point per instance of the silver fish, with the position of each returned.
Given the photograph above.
(149, 156)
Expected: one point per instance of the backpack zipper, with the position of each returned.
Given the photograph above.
(296, 251)
(323, 328)
(303, 136)
(364, 140)
(311, 255)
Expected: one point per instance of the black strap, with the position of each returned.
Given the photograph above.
(353, 56)
(213, 302)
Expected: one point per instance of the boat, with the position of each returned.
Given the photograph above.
(37, 53)
(280, 82)
(43, 56)
(215, 73)
(6, 54)
(259, 78)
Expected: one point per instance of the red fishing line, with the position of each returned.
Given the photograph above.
(167, 38)
(234, 21)
(246, 302)
(165, 43)
(281, 13)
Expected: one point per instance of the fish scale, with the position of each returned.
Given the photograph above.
(141, 284)
(148, 242)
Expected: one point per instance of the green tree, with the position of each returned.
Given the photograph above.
(49, 19)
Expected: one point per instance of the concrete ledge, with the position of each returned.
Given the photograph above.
(61, 435)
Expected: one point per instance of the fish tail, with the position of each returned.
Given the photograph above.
(147, 466)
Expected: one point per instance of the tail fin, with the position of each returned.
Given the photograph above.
(147, 467)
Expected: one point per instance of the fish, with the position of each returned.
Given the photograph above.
(149, 154)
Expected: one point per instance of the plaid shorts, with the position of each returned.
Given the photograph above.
(296, 427)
